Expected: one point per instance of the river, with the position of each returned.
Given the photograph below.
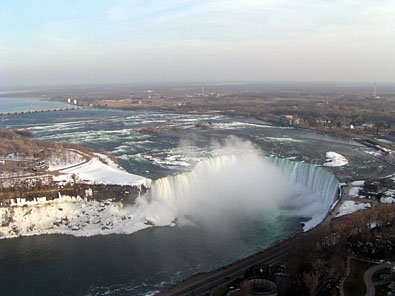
(150, 260)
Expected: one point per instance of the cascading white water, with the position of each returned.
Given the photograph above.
(220, 190)
(323, 189)
(320, 181)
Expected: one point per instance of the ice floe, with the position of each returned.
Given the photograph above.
(335, 159)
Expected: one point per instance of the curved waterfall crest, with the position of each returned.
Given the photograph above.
(245, 183)
(319, 180)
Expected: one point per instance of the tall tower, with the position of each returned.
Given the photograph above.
(374, 90)
(203, 91)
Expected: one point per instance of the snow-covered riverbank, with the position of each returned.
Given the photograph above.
(77, 215)
(99, 169)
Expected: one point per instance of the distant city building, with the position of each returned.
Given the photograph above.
(288, 119)
(75, 102)
(69, 100)
(368, 125)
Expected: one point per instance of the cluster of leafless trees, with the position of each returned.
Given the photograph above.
(319, 260)
(27, 151)
(19, 186)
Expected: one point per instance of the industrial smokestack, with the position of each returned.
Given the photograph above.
(374, 90)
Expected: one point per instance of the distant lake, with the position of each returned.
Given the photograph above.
(10, 104)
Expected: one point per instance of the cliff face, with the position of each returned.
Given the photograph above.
(88, 192)
(79, 209)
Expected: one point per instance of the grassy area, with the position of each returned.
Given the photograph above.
(354, 284)
(222, 290)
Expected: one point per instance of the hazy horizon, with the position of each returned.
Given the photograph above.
(382, 87)
(43, 43)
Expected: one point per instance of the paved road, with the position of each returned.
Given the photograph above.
(367, 278)
(86, 158)
(202, 283)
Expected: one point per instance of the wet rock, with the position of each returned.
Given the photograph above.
(31, 227)
(75, 227)
(15, 229)
(28, 212)
(148, 222)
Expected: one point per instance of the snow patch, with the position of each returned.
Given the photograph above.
(72, 158)
(349, 206)
(313, 222)
(354, 191)
(358, 183)
(97, 172)
(374, 153)
(387, 200)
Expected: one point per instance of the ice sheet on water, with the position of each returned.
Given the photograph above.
(335, 159)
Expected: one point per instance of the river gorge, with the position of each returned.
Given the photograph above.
(219, 193)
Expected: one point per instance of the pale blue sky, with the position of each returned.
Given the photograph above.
(102, 41)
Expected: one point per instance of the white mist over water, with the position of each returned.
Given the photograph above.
(240, 183)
